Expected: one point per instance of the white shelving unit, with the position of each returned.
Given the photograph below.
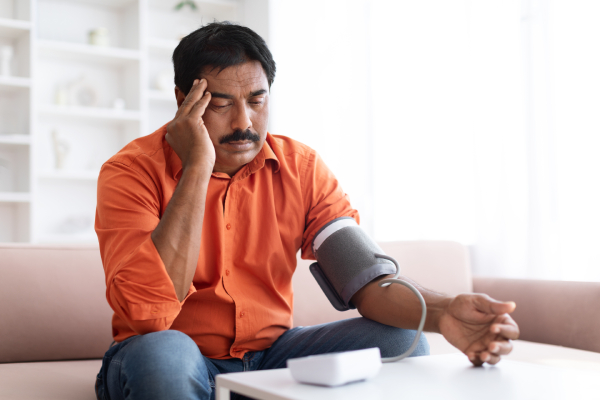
(68, 105)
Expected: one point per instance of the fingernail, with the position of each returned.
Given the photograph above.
(495, 329)
(485, 358)
(494, 348)
(195, 82)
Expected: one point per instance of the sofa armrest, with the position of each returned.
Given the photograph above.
(553, 312)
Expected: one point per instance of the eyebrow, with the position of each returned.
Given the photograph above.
(230, 97)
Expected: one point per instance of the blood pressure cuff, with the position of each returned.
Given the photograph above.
(346, 261)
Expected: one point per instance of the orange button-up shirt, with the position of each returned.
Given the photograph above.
(241, 296)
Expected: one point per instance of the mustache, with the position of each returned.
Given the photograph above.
(239, 135)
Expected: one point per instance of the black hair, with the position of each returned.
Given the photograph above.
(219, 45)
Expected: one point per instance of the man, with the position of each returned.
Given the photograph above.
(199, 224)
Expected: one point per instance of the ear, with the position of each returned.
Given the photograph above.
(179, 96)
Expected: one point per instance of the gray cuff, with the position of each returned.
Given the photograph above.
(366, 276)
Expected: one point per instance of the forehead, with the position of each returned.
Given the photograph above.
(249, 76)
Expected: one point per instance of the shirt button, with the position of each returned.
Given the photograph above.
(228, 226)
(227, 272)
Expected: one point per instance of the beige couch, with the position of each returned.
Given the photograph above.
(55, 322)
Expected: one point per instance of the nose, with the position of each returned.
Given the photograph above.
(241, 119)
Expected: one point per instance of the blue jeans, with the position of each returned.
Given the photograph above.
(169, 365)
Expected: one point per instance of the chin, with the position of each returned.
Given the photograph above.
(237, 159)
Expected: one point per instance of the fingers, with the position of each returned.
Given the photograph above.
(493, 353)
(195, 94)
(506, 330)
(486, 304)
(198, 109)
(503, 307)
(489, 358)
(476, 361)
(500, 348)
(495, 350)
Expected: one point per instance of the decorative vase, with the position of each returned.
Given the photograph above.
(99, 37)
(6, 56)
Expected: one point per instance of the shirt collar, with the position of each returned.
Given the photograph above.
(266, 153)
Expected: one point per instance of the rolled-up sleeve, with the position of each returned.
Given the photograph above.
(324, 201)
(138, 288)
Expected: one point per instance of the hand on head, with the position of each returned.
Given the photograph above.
(187, 133)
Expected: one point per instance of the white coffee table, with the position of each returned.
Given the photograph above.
(449, 376)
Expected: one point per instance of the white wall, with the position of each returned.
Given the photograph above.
(465, 120)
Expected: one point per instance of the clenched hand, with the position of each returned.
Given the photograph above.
(480, 327)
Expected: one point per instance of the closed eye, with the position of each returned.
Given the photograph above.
(220, 106)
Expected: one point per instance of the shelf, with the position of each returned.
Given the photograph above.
(39, 202)
(13, 28)
(87, 53)
(10, 83)
(14, 197)
(106, 114)
(157, 95)
(105, 3)
(161, 4)
(15, 139)
(71, 175)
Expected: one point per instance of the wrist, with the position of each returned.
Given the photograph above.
(198, 170)
(436, 309)
(199, 165)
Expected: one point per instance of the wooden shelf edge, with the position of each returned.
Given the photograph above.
(107, 114)
(14, 197)
(15, 139)
(15, 81)
(115, 53)
(17, 24)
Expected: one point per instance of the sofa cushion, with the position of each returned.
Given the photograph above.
(554, 312)
(53, 303)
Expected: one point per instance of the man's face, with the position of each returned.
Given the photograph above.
(237, 115)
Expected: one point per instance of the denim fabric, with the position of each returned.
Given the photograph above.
(169, 365)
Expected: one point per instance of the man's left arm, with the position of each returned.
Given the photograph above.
(476, 324)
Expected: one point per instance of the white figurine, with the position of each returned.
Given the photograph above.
(6, 56)
(61, 150)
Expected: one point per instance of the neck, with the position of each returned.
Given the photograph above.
(231, 171)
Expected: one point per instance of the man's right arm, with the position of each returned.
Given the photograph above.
(177, 236)
(150, 257)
